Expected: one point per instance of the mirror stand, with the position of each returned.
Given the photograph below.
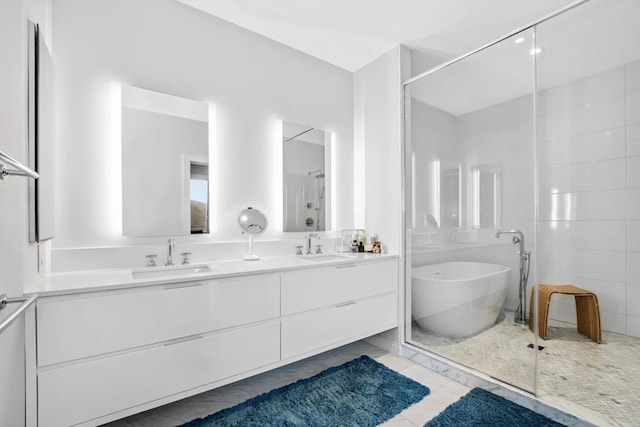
(251, 256)
(253, 222)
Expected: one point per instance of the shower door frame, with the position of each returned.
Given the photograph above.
(407, 167)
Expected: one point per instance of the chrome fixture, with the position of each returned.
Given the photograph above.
(525, 262)
(291, 138)
(185, 258)
(299, 250)
(151, 260)
(172, 244)
(309, 237)
(318, 173)
(318, 249)
(19, 168)
(26, 302)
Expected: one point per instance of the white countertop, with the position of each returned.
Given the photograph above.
(112, 279)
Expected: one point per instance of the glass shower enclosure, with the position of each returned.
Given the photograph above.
(522, 167)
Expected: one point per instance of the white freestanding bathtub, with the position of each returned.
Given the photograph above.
(458, 299)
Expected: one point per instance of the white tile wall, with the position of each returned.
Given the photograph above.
(585, 206)
(633, 77)
(588, 182)
(633, 107)
(633, 140)
(586, 147)
(589, 176)
(594, 235)
(633, 204)
(590, 226)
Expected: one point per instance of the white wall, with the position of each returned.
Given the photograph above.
(378, 133)
(590, 193)
(18, 259)
(169, 47)
(377, 166)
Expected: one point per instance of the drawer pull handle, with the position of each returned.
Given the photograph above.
(182, 285)
(345, 266)
(344, 304)
(181, 340)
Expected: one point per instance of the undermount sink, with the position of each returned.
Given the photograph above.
(180, 270)
(328, 257)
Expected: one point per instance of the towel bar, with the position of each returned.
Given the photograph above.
(20, 169)
(26, 302)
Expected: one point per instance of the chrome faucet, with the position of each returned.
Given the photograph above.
(309, 237)
(172, 244)
(519, 239)
(525, 263)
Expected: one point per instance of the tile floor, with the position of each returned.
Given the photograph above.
(575, 374)
(443, 390)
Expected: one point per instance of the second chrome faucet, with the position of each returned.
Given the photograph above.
(172, 244)
(308, 238)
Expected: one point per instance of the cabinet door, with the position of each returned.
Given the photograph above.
(324, 329)
(71, 394)
(304, 290)
(78, 326)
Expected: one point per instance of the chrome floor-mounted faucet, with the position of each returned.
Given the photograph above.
(525, 262)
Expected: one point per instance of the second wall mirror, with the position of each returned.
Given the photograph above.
(306, 177)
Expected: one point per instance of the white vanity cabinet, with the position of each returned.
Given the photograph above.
(89, 324)
(328, 306)
(103, 352)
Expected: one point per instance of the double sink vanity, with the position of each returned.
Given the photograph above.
(106, 344)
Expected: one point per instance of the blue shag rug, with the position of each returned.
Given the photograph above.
(361, 392)
(482, 408)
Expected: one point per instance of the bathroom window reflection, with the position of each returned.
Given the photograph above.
(306, 160)
(165, 157)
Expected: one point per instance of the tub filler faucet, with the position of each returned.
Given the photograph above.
(525, 262)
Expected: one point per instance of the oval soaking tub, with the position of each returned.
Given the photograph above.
(458, 299)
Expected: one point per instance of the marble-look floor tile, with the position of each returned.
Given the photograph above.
(435, 402)
(593, 381)
(399, 421)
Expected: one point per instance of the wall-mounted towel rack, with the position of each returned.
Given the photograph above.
(20, 169)
(26, 302)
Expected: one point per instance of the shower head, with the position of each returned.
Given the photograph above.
(316, 173)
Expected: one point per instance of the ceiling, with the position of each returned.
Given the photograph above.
(592, 38)
(352, 33)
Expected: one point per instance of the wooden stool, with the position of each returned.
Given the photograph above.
(587, 310)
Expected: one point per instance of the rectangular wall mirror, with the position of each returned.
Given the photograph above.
(165, 164)
(40, 136)
(486, 195)
(306, 175)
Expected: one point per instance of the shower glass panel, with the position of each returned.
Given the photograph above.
(470, 171)
(588, 82)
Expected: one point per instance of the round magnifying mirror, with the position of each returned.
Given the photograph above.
(252, 222)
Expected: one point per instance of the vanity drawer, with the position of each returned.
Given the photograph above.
(84, 391)
(74, 327)
(320, 287)
(324, 329)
